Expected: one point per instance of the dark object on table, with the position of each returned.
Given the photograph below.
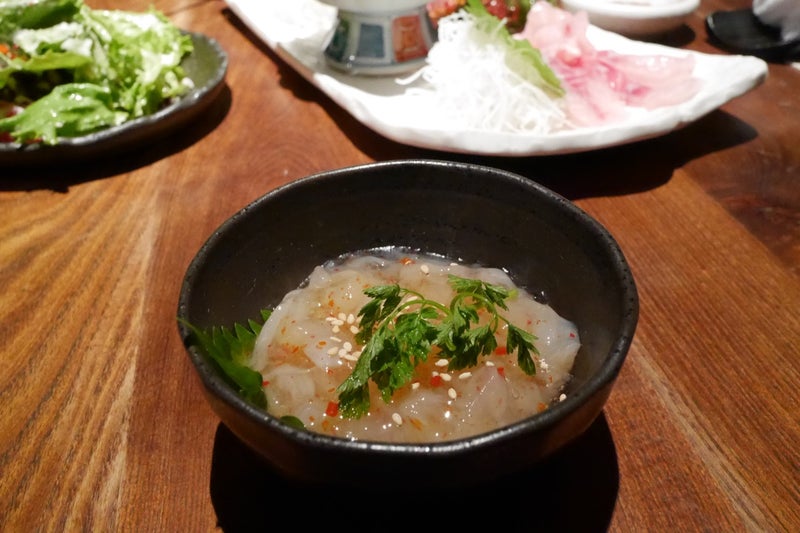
(741, 31)
(473, 213)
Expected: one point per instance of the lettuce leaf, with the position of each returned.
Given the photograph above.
(16, 14)
(123, 65)
(80, 108)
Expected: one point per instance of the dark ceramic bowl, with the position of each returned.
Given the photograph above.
(473, 213)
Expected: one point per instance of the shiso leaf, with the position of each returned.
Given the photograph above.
(229, 349)
(522, 57)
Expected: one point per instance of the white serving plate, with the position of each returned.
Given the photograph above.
(297, 31)
(635, 18)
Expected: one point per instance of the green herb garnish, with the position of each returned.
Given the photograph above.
(400, 327)
(230, 348)
(293, 421)
(522, 57)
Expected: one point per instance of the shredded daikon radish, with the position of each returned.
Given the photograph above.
(474, 89)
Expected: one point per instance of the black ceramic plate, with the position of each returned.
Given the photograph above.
(206, 66)
(742, 32)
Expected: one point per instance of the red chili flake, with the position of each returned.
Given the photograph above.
(501, 350)
(541, 407)
(332, 409)
(436, 381)
(264, 383)
(502, 371)
(571, 335)
(406, 261)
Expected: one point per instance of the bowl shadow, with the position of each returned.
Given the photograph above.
(574, 490)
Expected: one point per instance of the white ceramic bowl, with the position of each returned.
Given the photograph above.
(635, 18)
(375, 6)
(379, 37)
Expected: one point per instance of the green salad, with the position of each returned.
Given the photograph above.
(67, 70)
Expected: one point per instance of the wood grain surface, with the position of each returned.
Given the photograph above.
(104, 427)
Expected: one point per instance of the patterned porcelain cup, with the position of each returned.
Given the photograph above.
(379, 37)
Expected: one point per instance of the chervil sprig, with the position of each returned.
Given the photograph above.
(400, 327)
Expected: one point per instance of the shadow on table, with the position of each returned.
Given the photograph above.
(574, 490)
(614, 171)
(60, 172)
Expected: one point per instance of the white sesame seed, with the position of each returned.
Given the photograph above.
(335, 329)
(397, 419)
(329, 319)
(351, 318)
(342, 317)
(452, 393)
(353, 329)
(333, 351)
(342, 352)
(357, 354)
(350, 357)
(347, 346)
(442, 362)
(425, 269)
(446, 377)
(543, 364)
(335, 339)
(489, 363)
(562, 397)
(434, 373)
(337, 322)
(415, 385)
(465, 375)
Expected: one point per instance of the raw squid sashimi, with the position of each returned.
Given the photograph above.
(308, 347)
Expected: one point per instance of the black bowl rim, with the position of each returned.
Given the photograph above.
(605, 376)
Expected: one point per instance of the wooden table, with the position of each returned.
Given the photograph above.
(104, 426)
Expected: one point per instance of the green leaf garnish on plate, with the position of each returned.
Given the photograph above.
(399, 328)
(230, 349)
(523, 58)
